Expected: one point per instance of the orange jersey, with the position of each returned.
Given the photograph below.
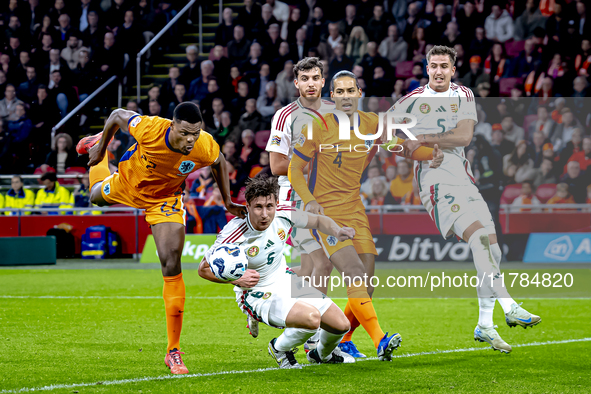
(152, 168)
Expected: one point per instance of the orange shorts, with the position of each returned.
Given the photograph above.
(363, 240)
(167, 209)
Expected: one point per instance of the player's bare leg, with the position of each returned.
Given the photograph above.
(347, 261)
(306, 266)
(169, 239)
(322, 270)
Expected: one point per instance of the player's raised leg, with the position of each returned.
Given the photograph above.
(169, 239)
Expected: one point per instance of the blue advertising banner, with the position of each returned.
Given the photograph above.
(558, 247)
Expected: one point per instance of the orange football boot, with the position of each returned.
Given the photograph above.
(175, 363)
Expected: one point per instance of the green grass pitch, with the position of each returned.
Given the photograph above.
(103, 331)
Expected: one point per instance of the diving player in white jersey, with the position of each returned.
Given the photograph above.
(446, 116)
(269, 291)
(285, 132)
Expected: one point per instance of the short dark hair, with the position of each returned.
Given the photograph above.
(20, 178)
(343, 74)
(261, 186)
(49, 176)
(306, 64)
(188, 112)
(443, 50)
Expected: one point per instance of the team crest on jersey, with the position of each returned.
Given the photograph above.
(301, 140)
(425, 108)
(252, 251)
(186, 167)
(267, 295)
(454, 108)
(276, 140)
(332, 240)
(107, 189)
(455, 208)
(281, 234)
(135, 121)
(369, 144)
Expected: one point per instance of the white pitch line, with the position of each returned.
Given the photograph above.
(201, 375)
(233, 298)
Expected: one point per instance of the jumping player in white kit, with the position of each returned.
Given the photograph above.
(269, 291)
(446, 116)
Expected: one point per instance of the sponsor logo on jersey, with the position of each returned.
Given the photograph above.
(107, 189)
(135, 121)
(186, 167)
(276, 140)
(440, 109)
(281, 234)
(455, 208)
(454, 108)
(252, 251)
(332, 240)
(425, 108)
(269, 244)
(267, 295)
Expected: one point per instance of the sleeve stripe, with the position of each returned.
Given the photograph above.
(302, 156)
(285, 115)
(130, 119)
(417, 90)
(239, 231)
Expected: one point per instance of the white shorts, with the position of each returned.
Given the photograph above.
(271, 304)
(455, 208)
(302, 239)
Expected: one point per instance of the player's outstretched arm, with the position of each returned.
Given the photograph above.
(220, 175)
(296, 177)
(459, 137)
(117, 120)
(326, 225)
(249, 279)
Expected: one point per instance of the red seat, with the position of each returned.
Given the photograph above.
(506, 84)
(199, 201)
(261, 138)
(72, 171)
(527, 121)
(513, 48)
(545, 192)
(510, 193)
(191, 178)
(404, 69)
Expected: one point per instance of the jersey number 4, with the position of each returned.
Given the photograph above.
(339, 159)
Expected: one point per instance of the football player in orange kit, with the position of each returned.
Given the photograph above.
(150, 177)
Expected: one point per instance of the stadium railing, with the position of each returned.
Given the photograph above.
(157, 37)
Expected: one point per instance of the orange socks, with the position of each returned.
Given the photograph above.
(362, 307)
(99, 172)
(174, 304)
(353, 320)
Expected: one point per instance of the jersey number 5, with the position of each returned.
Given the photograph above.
(440, 124)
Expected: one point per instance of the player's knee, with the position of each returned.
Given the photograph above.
(170, 257)
(312, 319)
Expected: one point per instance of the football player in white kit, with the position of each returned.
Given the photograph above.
(446, 116)
(269, 291)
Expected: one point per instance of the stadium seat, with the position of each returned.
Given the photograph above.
(545, 192)
(527, 121)
(404, 69)
(198, 201)
(513, 48)
(261, 138)
(72, 171)
(506, 84)
(510, 193)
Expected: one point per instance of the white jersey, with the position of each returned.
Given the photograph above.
(437, 112)
(286, 127)
(264, 249)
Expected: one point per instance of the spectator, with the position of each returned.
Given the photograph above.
(130, 33)
(249, 15)
(179, 97)
(262, 167)
(64, 30)
(413, 197)
(271, 42)
(583, 157)
(81, 15)
(402, 184)
(545, 174)
(213, 91)
(251, 118)
(398, 90)
(229, 149)
(46, 27)
(44, 115)
(373, 172)
(289, 28)
(575, 181)
(285, 87)
(212, 118)
(94, 35)
(19, 128)
(526, 197)
(480, 45)
(340, 61)
(469, 18)
(27, 91)
(226, 131)
(108, 58)
(225, 31)
(84, 75)
(562, 196)
(380, 195)
(300, 46)
(153, 94)
(72, 50)
(262, 26)
(40, 52)
(518, 166)
(512, 132)
(8, 104)
(249, 153)
(192, 70)
(377, 26)
(573, 146)
(357, 45)
(53, 195)
(531, 18)
(198, 88)
(237, 178)
(543, 123)
(55, 63)
(538, 140)
(252, 64)
(439, 20)
(265, 103)
(133, 106)
(317, 27)
(154, 108)
(452, 37)
(18, 197)
(327, 45)
(212, 213)
(527, 61)
(371, 60)
(418, 43)
(494, 65)
(588, 200)
(239, 101)
(81, 195)
(63, 94)
(61, 155)
(280, 10)
(350, 21)
(475, 76)
(115, 14)
(393, 48)
(564, 132)
(499, 25)
(238, 48)
(167, 88)
(583, 59)
(20, 72)
(203, 184)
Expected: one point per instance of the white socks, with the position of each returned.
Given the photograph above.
(505, 302)
(316, 336)
(292, 337)
(328, 342)
(485, 313)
